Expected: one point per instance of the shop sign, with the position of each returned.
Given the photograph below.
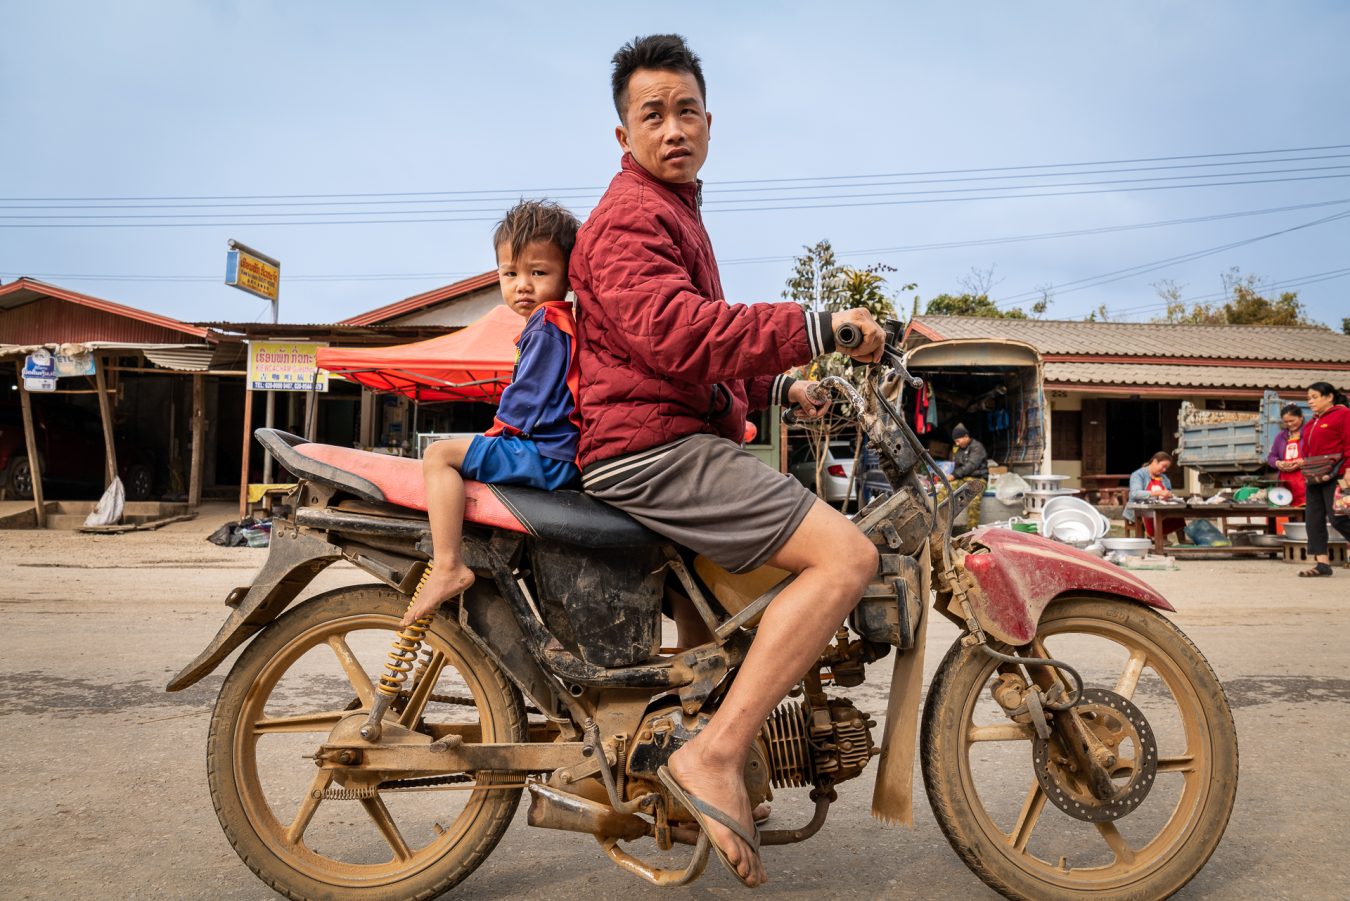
(74, 364)
(252, 274)
(285, 366)
(39, 365)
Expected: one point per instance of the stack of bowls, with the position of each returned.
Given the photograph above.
(1072, 521)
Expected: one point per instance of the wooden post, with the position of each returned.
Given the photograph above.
(268, 420)
(248, 441)
(311, 414)
(105, 413)
(198, 444)
(34, 462)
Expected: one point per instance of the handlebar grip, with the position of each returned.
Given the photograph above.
(848, 335)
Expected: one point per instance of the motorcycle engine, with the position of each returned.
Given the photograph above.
(798, 747)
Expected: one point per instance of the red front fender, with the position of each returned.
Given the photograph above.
(1019, 575)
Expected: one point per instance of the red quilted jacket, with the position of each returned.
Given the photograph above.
(662, 354)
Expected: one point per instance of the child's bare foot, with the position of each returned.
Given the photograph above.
(441, 585)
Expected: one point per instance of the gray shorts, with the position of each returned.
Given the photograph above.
(708, 494)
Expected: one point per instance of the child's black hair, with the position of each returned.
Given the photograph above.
(536, 220)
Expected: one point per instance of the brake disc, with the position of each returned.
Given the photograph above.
(1120, 727)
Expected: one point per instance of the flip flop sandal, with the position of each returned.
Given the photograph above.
(1315, 573)
(703, 811)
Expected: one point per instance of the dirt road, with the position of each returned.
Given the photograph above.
(104, 776)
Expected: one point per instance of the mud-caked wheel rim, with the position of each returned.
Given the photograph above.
(1190, 793)
(476, 813)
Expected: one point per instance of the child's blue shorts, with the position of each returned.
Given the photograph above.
(516, 461)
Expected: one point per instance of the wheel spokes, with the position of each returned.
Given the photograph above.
(301, 722)
(1116, 842)
(1000, 732)
(1129, 678)
(308, 804)
(1027, 817)
(388, 828)
(1184, 763)
(356, 673)
(421, 693)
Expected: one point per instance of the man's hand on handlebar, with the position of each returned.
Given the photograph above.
(858, 335)
(809, 401)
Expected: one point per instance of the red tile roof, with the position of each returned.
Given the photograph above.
(424, 300)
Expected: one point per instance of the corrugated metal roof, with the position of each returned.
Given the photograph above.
(1167, 340)
(423, 300)
(34, 312)
(1182, 376)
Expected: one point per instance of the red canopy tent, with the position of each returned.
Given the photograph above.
(473, 363)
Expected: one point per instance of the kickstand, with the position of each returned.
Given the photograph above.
(656, 875)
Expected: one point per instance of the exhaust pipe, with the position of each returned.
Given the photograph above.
(552, 809)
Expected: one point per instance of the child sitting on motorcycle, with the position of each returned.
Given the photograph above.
(534, 439)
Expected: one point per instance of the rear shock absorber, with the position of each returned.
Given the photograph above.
(401, 657)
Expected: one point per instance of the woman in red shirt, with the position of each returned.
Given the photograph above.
(1285, 453)
(1327, 433)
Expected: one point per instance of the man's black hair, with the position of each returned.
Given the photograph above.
(655, 51)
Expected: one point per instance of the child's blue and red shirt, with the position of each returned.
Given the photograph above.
(534, 439)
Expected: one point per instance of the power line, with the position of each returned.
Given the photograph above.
(1012, 239)
(1142, 268)
(1295, 282)
(823, 206)
(874, 251)
(569, 193)
(594, 188)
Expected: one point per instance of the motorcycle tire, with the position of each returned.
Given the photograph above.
(952, 752)
(255, 824)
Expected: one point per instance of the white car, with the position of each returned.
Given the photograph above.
(835, 472)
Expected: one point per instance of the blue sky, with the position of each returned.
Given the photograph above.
(500, 100)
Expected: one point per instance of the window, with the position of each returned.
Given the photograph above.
(1066, 434)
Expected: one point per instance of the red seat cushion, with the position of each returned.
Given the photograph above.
(400, 480)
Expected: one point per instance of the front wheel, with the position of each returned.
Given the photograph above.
(987, 776)
(303, 830)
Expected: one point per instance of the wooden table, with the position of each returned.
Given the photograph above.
(1221, 512)
(1106, 489)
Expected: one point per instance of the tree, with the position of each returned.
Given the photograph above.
(1245, 304)
(1345, 325)
(820, 285)
(975, 300)
(815, 282)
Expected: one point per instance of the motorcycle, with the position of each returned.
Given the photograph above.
(1073, 743)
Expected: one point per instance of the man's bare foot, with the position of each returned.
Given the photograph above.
(722, 787)
(441, 585)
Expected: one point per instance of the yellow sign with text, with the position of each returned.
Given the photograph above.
(248, 273)
(285, 366)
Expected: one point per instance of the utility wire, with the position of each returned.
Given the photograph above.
(874, 251)
(1142, 268)
(709, 206)
(593, 188)
(821, 206)
(589, 193)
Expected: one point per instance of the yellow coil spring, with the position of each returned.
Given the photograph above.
(406, 643)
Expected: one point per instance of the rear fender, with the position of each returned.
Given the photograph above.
(1019, 575)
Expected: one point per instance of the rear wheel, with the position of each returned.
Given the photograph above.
(1158, 705)
(301, 829)
(19, 479)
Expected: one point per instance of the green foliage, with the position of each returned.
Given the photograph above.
(1345, 325)
(970, 305)
(1245, 304)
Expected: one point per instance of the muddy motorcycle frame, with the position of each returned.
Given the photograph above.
(567, 608)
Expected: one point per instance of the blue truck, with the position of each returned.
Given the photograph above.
(1228, 447)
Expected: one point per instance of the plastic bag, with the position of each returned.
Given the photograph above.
(1011, 487)
(1204, 533)
(1340, 504)
(109, 509)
